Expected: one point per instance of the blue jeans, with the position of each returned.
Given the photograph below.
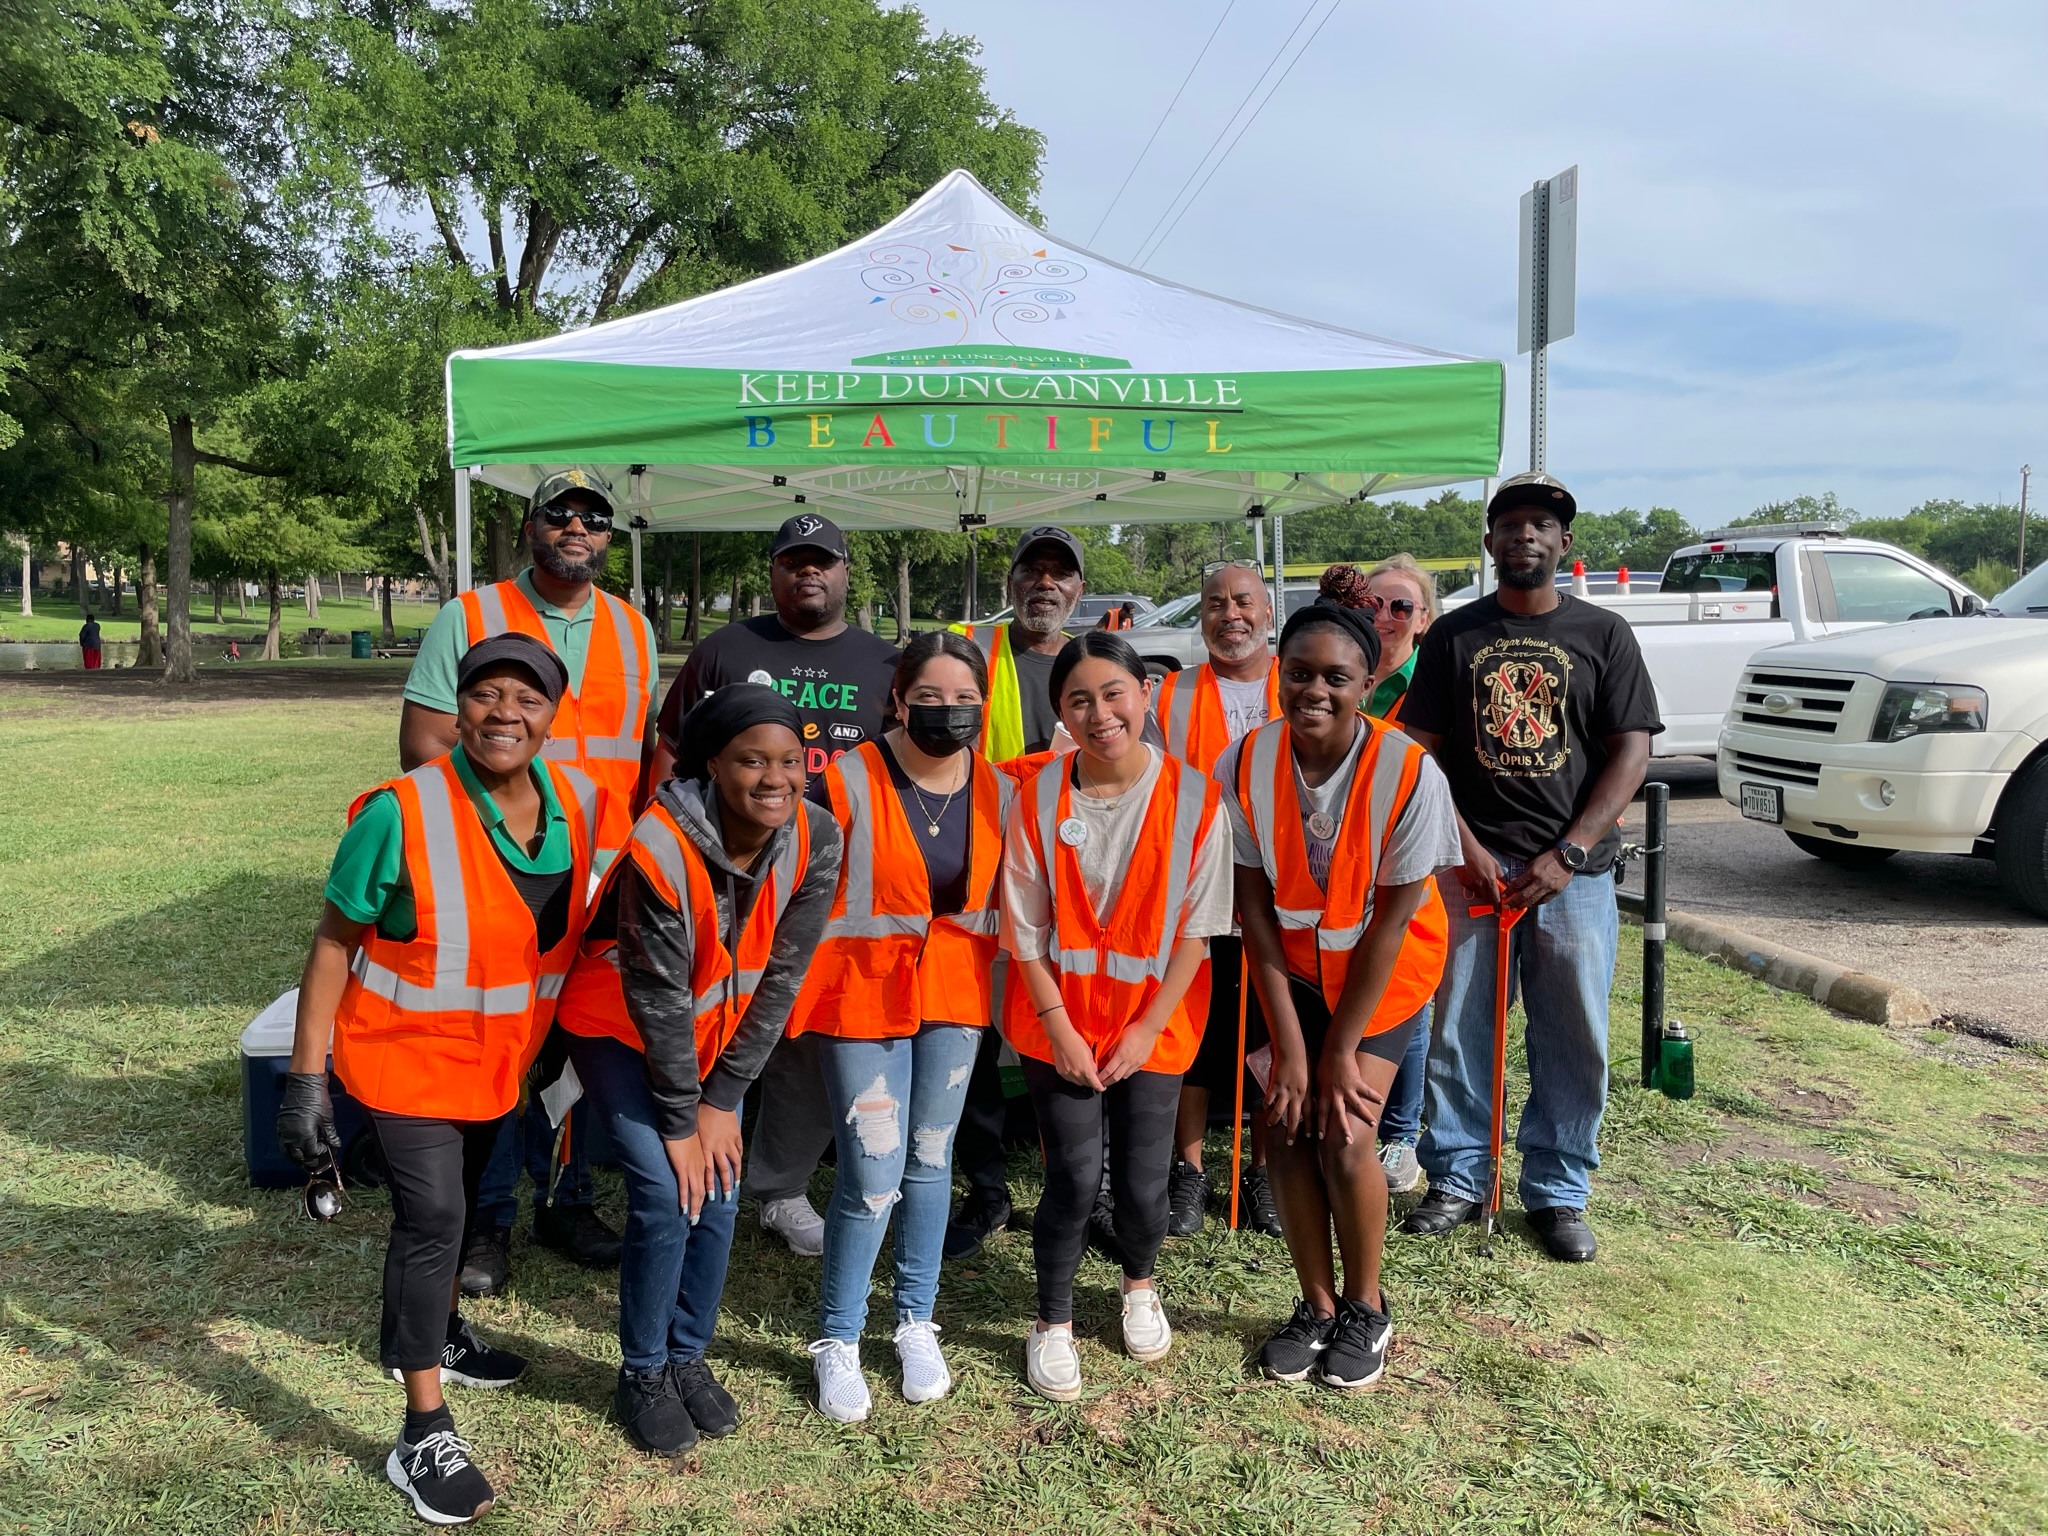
(671, 1274)
(895, 1106)
(1562, 963)
(1401, 1120)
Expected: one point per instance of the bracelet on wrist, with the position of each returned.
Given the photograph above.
(1055, 1008)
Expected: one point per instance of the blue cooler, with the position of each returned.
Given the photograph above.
(266, 1053)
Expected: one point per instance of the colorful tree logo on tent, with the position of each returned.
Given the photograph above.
(986, 298)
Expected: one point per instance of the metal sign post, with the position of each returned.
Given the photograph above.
(1548, 307)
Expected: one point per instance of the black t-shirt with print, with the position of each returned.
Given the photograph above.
(840, 686)
(1524, 705)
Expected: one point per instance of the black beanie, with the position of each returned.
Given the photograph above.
(718, 717)
(1352, 621)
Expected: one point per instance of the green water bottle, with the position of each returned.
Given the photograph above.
(1674, 1061)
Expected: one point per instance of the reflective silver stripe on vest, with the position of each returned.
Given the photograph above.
(381, 981)
(550, 984)
(615, 749)
(490, 604)
(1181, 710)
(586, 798)
(1187, 821)
(659, 838)
(1264, 747)
(626, 628)
(444, 875)
(1381, 788)
(860, 920)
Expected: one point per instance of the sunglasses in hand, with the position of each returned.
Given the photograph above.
(323, 1192)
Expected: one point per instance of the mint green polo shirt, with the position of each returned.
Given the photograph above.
(1390, 688)
(367, 883)
(431, 683)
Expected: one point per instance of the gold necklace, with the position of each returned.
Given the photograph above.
(931, 817)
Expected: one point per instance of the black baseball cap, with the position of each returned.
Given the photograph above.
(523, 651)
(1049, 533)
(1534, 489)
(807, 530)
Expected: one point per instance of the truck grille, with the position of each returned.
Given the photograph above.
(1784, 769)
(1817, 700)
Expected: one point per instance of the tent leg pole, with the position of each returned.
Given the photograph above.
(1485, 564)
(1279, 577)
(638, 602)
(463, 577)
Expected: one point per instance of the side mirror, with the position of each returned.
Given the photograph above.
(1972, 603)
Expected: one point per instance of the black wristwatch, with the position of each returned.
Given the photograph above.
(1572, 854)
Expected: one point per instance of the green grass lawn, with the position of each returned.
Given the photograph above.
(1819, 1307)
(57, 617)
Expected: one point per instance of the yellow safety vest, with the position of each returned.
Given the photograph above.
(1002, 722)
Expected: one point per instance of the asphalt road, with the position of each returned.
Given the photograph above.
(1935, 922)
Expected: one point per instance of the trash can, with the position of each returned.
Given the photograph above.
(359, 644)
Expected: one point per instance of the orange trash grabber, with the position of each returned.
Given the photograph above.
(1506, 917)
(1244, 981)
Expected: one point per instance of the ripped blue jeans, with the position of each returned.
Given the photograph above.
(895, 1106)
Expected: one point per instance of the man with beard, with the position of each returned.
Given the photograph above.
(1200, 712)
(1540, 710)
(1045, 588)
(604, 726)
(838, 677)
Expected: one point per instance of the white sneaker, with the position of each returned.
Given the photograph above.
(1051, 1363)
(925, 1377)
(842, 1390)
(1146, 1334)
(796, 1224)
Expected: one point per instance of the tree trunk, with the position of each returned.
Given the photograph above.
(903, 595)
(732, 613)
(117, 592)
(216, 600)
(390, 633)
(503, 531)
(99, 579)
(274, 584)
(438, 567)
(664, 634)
(242, 598)
(691, 627)
(182, 667)
(78, 575)
(312, 597)
(1135, 544)
(28, 580)
(149, 650)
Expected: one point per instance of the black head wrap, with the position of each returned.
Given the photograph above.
(1352, 621)
(716, 718)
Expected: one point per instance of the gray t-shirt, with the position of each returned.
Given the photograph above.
(1244, 705)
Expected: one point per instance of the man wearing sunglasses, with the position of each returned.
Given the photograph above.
(605, 726)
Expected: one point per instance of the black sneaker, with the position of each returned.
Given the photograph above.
(1438, 1212)
(711, 1406)
(1357, 1356)
(1292, 1352)
(578, 1234)
(1102, 1228)
(978, 1219)
(437, 1475)
(1187, 1198)
(1563, 1232)
(1255, 1208)
(652, 1411)
(487, 1262)
(468, 1361)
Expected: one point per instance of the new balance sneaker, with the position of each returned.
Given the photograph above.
(842, 1389)
(797, 1224)
(1147, 1337)
(1255, 1208)
(711, 1407)
(1357, 1353)
(925, 1377)
(1404, 1173)
(1187, 1199)
(435, 1472)
(650, 1409)
(1293, 1351)
(1051, 1363)
(468, 1361)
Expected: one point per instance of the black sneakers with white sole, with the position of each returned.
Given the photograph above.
(1357, 1355)
(468, 1361)
(435, 1472)
(1292, 1352)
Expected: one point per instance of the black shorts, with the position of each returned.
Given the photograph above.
(1218, 1054)
(1314, 1014)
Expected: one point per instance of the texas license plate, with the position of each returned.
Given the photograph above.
(1763, 802)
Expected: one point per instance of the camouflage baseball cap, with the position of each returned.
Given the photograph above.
(578, 477)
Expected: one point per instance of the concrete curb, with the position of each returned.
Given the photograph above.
(1856, 993)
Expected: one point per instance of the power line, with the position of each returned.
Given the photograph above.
(1227, 122)
(1154, 245)
(1190, 75)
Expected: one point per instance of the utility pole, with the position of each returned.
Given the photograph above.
(2025, 471)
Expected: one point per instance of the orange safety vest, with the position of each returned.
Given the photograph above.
(444, 1025)
(599, 725)
(1110, 968)
(1318, 931)
(885, 964)
(722, 982)
(1192, 719)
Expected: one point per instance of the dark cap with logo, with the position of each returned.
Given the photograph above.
(578, 477)
(807, 530)
(531, 656)
(1049, 533)
(1534, 489)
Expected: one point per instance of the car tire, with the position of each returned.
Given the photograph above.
(2022, 852)
(1842, 855)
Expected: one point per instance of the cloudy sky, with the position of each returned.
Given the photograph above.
(1813, 238)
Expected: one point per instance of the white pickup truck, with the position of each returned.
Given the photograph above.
(1929, 736)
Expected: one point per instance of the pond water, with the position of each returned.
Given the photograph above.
(60, 655)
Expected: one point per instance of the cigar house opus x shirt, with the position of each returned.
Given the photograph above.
(840, 686)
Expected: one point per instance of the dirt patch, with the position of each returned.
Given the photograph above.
(131, 690)
(1814, 1104)
(1840, 1190)
(2012, 1135)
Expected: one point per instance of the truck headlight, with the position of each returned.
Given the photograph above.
(1913, 709)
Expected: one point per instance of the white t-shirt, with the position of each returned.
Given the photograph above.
(1113, 826)
(1244, 705)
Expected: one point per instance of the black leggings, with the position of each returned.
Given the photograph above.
(434, 1168)
(1136, 1118)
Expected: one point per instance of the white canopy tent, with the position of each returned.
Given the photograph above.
(957, 369)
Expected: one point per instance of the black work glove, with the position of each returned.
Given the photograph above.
(305, 1121)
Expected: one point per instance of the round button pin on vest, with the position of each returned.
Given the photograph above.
(1322, 826)
(1073, 831)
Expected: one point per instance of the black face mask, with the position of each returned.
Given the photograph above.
(943, 729)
